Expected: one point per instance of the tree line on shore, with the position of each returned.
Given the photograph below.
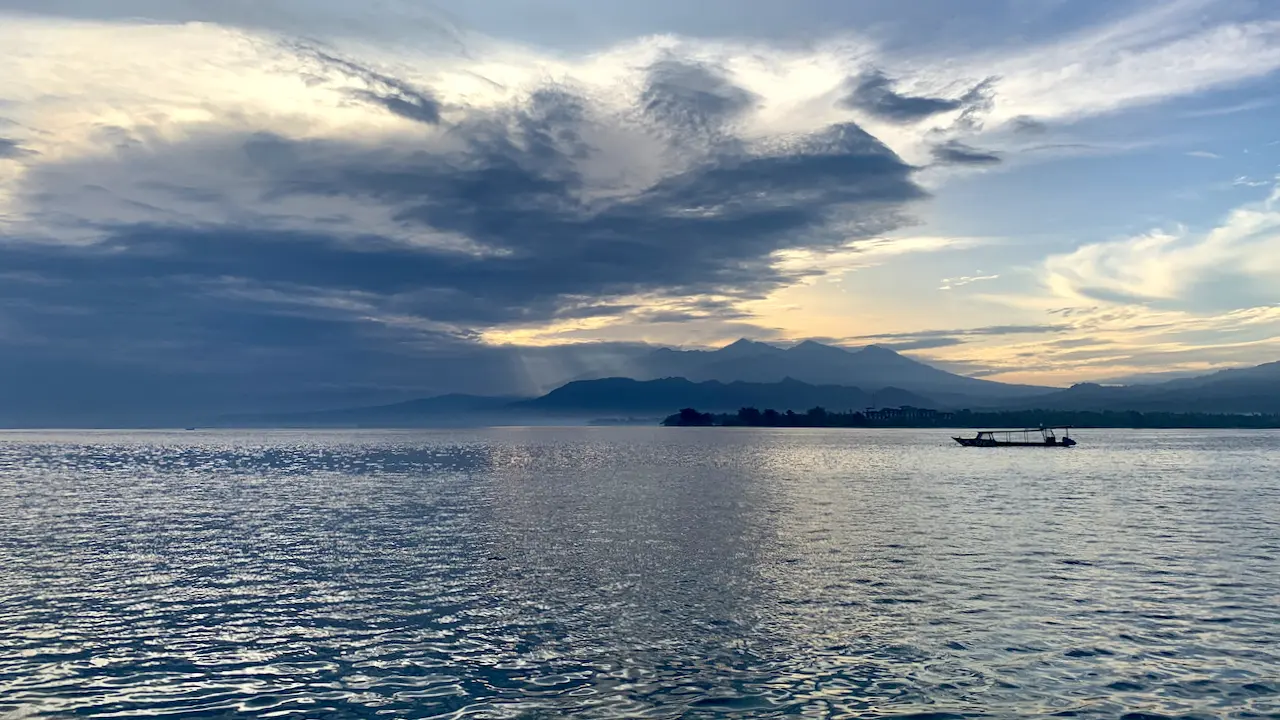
(820, 417)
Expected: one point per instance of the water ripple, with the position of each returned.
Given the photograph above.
(616, 572)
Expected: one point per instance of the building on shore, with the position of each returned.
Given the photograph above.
(907, 413)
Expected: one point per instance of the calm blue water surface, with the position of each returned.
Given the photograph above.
(638, 572)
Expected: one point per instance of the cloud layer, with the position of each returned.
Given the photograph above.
(221, 198)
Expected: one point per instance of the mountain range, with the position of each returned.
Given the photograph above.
(1243, 390)
(754, 374)
(870, 368)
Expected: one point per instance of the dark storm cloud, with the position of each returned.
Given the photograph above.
(873, 92)
(958, 153)
(392, 94)
(515, 192)
(268, 310)
(692, 95)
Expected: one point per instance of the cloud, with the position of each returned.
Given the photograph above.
(682, 311)
(218, 249)
(375, 23)
(988, 330)
(809, 265)
(1170, 300)
(924, 343)
(955, 152)
(10, 149)
(933, 339)
(1246, 106)
(873, 92)
(521, 200)
(1204, 154)
(952, 283)
(1163, 51)
(1246, 181)
(392, 94)
(1236, 264)
(1025, 125)
(535, 241)
(692, 95)
(1102, 349)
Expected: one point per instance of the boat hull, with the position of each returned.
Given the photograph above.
(977, 442)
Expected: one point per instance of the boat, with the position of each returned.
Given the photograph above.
(1027, 437)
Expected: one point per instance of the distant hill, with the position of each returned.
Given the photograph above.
(661, 397)
(1243, 390)
(1259, 376)
(871, 368)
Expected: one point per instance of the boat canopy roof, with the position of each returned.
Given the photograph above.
(1041, 428)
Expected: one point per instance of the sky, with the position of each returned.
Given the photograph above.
(393, 196)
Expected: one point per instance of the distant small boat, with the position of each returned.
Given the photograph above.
(1027, 437)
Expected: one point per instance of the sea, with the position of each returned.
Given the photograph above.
(637, 572)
